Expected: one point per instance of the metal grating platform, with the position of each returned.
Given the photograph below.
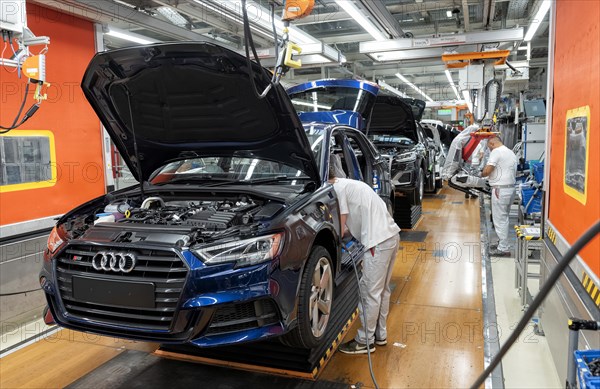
(272, 355)
(139, 370)
(407, 216)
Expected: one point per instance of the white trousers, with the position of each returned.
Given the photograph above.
(502, 199)
(376, 291)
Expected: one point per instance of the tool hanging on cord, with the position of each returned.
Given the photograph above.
(34, 68)
(284, 49)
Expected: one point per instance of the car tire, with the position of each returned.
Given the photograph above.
(313, 319)
(416, 196)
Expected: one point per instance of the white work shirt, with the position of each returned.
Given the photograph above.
(368, 219)
(505, 166)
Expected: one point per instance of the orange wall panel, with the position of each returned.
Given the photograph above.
(576, 84)
(66, 114)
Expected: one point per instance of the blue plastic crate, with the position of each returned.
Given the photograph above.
(537, 168)
(536, 203)
(584, 377)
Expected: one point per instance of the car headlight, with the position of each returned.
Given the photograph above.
(54, 240)
(405, 157)
(245, 252)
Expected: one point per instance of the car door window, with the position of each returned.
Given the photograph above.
(364, 155)
(352, 162)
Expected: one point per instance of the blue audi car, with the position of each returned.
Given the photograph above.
(232, 234)
(391, 123)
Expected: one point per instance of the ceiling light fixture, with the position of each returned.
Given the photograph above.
(361, 19)
(416, 88)
(390, 88)
(172, 15)
(129, 36)
(451, 81)
(537, 20)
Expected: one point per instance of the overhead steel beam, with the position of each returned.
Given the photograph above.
(471, 38)
(466, 15)
(410, 8)
(217, 21)
(107, 11)
(489, 12)
(384, 17)
(415, 54)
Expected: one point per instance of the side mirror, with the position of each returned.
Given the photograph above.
(297, 9)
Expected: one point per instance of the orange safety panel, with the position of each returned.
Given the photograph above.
(66, 113)
(576, 84)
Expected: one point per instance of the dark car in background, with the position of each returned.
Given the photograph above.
(390, 122)
(233, 234)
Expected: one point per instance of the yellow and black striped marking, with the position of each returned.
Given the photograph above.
(522, 233)
(551, 235)
(336, 342)
(591, 288)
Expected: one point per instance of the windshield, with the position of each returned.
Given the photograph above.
(332, 99)
(233, 169)
(386, 139)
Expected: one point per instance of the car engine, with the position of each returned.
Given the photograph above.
(198, 220)
(206, 215)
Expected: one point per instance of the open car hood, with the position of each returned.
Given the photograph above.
(188, 100)
(418, 107)
(392, 116)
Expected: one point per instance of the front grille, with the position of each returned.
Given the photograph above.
(243, 316)
(164, 269)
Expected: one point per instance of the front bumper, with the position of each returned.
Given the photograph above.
(193, 303)
(404, 176)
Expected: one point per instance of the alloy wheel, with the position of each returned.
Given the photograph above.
(321, 297)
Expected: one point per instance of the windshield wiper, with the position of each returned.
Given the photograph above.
(269, 180)
(197, 180)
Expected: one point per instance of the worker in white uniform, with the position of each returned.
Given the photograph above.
(367, 219)
(501, 172)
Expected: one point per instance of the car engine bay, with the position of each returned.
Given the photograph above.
(197, 221)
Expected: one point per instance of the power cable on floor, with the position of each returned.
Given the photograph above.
(366, 323)
(543, 293)
(22, 292)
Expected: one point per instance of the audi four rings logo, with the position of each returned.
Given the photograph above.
(114, 261)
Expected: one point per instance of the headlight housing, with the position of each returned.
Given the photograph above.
(406, 157)
(245, 252)
(55, 240)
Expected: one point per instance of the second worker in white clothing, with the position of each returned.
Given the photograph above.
(366, 216)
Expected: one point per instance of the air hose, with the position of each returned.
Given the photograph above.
(249, 44)
(30, 112)
(541, 296)
(487, 95)
(364, 306)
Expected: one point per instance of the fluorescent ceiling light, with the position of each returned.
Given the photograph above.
(467, 95)
(172, 15)
(449, 14)
(416, 88)
(129, 36)
(390, 88)
(537, 20)
(361, 19)
(126, 4)
(451, 81)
